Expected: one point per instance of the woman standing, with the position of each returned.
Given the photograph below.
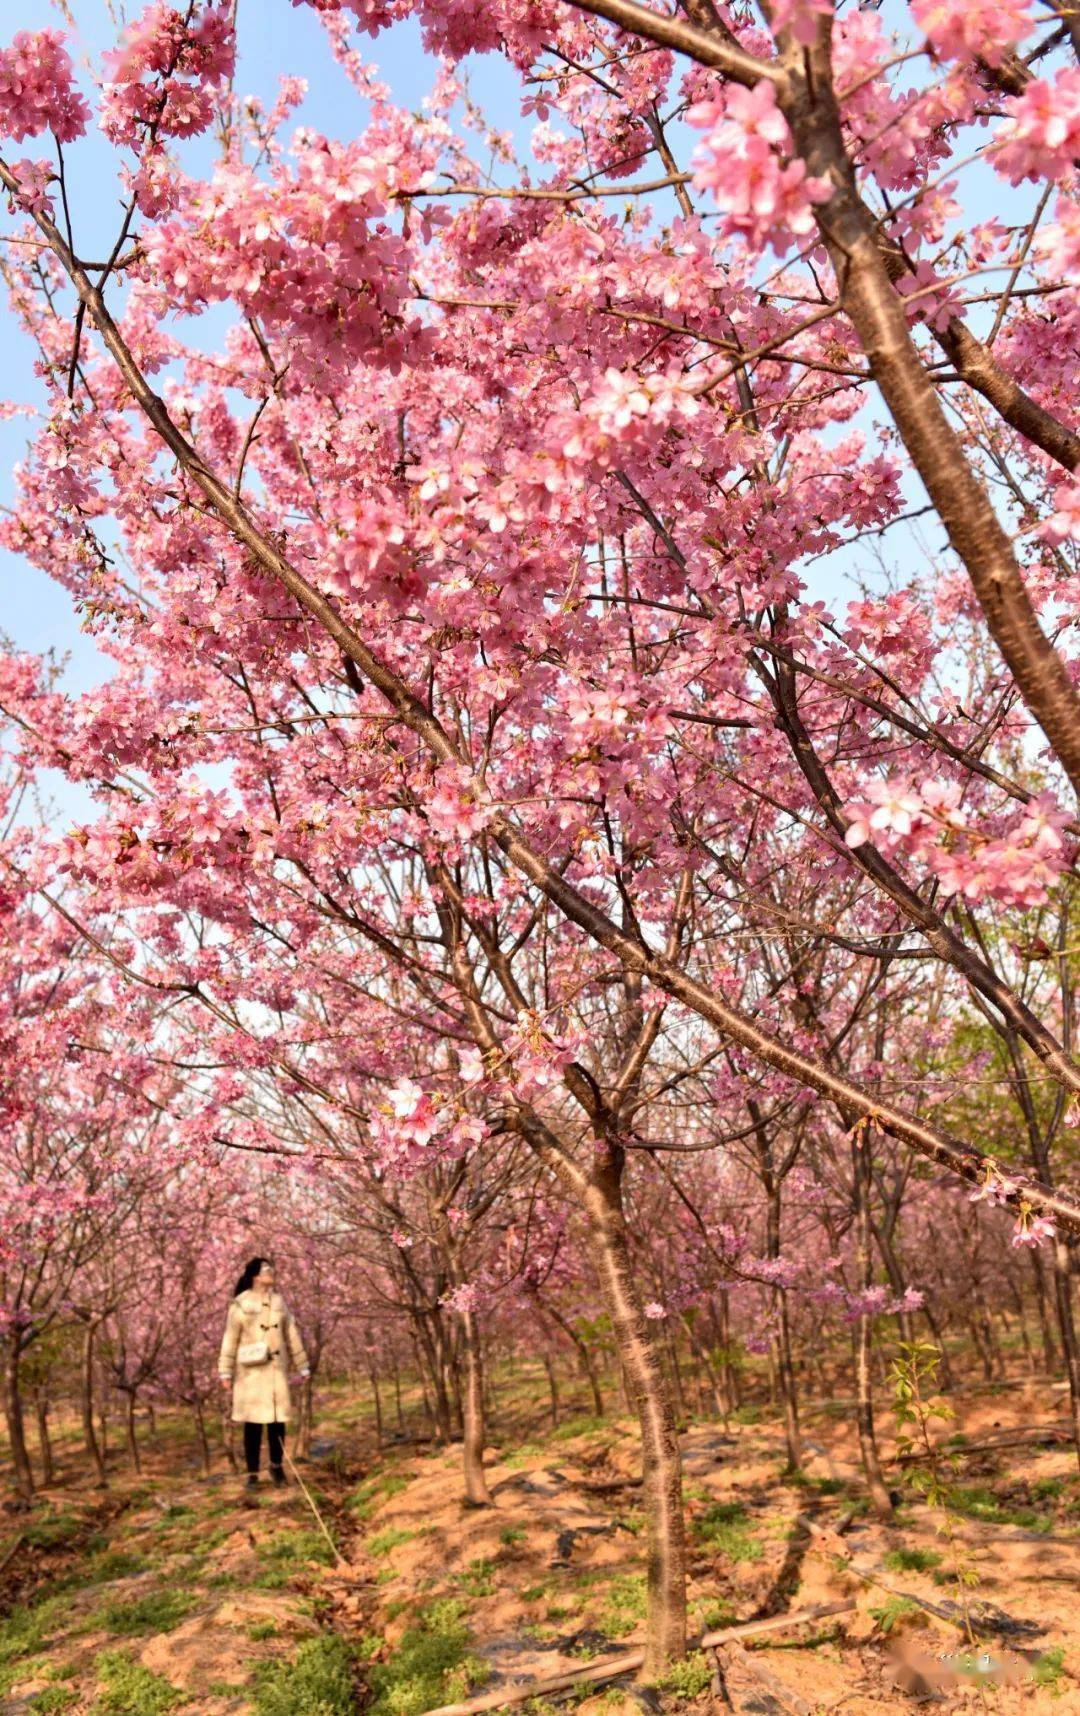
(260, 1338)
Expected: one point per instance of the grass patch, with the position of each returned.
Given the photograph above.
(384, 1541)
(373, 1491)
(714, 1613)
(317, 1681)
(260, 1630)
(893, 1611)
(690, 1677)
(751, 1413)
(511, 1535)
(53, 1530)
(156, 1612)
(979, 1502)
(114, 1564)
(128, 1689)
(586, 1426)
(478, 1578)
(22, 1634)
(912, 1560)
(521, 1456)
(1050, 1670)
(290, 1547)
(1048, 1489)
(723, 1527)
(624, 1606)
(431, 1665)
(54, 1698)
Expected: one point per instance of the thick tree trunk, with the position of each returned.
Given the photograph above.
(16, 1424)
(473, 1431)
(661, 1458)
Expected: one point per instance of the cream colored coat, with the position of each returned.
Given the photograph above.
(261, 1391)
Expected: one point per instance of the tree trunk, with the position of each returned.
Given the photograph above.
(397, 1399)
(307, 1418)
(585, 1358)
(16, 1423)
(712, 1401)
(1025, 1334)
(377, 1397)
(647, 1385)
(681, 1406)
(129, 1432)
(472, 1415)
(553, 1389)
(45, 1447)
(1045, 1329)
(948, 1379)
(862, 1337)
(1067, 1332)
(86, 1394)
(228, 1437)
(204, 1440)
(785, 1370)
(729, 1376)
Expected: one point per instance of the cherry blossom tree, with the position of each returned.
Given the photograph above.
(483, 553)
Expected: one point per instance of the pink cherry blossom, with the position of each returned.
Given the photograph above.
(37, 90)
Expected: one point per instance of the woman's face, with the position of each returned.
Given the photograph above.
(264, 1280)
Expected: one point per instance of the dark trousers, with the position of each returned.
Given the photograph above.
(275, 1437)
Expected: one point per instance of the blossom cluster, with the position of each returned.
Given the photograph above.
(968, 29)
(763, 200)
(37, 90)
(1040, 138)
(926, 820)
(164, 76)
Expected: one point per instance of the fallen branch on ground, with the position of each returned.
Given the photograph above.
(1047, 1433)
(733, 1654)
(613, 1667)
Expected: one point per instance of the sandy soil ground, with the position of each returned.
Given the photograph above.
(171, 1592)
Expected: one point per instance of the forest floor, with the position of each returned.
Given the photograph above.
(170, 1591)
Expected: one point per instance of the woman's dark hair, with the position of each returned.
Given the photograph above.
(251, 1269)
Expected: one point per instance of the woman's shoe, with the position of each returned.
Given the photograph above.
(252, 1480)
(278, 1474)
